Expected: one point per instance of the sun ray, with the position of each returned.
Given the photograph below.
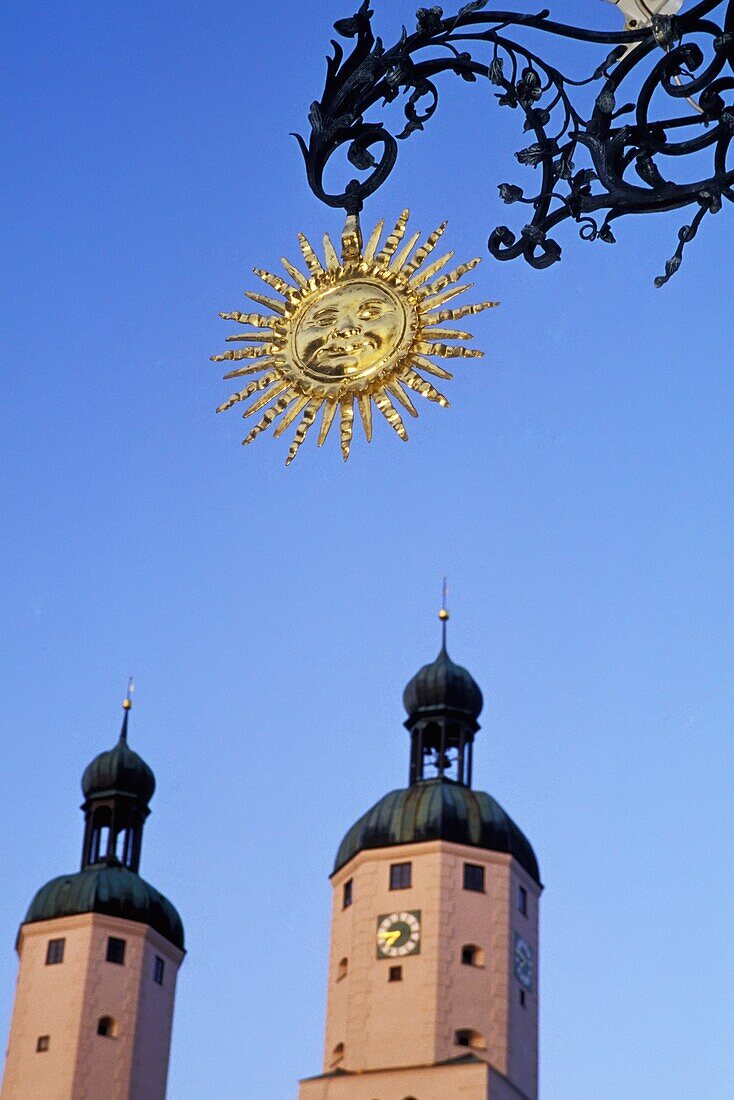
(256, 319)
(255, 337)
(346, 426)
(447, 295)
(276, 389)
(296, 275)
(244, 353)
(332, 260)
(425, 250)
(351, 332)
(253, 387)
(432, 368)
(462, 311)
(275, 281)
(397, 391)
(446, 333)
(372, 243)
(425, 389)
(364, 404)
(291, 415)
(327, 420)
(393, 239)
(306, 421)
(446, 351)
(399, 262)
(263, 300)
(391, 414)
(431, 270)
(254, 368)
(448, 278)
(312, 261)
(267, 419)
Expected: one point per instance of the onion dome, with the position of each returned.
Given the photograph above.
(113, 890)
(438, 809)
(442, 686)
(119, 771)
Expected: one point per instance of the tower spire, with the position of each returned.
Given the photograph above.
(443, 613)
(127, 704)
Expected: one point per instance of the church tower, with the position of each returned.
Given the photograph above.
(99, 954)
(433, 968)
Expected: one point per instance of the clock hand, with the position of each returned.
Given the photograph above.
(390, 937)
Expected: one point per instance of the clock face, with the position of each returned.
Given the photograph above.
(523, 962)
(398, 934)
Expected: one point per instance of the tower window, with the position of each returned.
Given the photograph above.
(471, 955)
(395, 974)
(42, 1043)
(107, 1026)
(116, 951)
(342, 969)
(337, 1054)
(522, 900)
(466, 1037)
(158, 968)
(400, 875)
(347, 894)
(55, 952)
(474, 877)
(522, 997)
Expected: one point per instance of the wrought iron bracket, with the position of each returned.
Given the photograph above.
(653, 135)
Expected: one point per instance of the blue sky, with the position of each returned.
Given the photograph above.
(577, 494)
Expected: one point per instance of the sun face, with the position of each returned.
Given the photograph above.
(357, 328)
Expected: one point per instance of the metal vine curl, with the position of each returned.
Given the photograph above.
(627, 149)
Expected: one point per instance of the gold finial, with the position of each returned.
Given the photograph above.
(127, 702)
(444, 613)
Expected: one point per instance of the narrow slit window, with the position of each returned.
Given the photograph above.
(522, 900)
(347, 894)
(158, 967)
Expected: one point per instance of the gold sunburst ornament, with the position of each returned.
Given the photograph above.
(359, 328)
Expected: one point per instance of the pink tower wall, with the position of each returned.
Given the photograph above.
(65, 1002)
(390, 1028)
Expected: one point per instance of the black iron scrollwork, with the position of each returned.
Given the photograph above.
(617, 158)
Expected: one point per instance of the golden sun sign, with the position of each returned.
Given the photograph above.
(356, 328)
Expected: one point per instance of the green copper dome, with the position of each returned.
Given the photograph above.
(442, 686)
(112, 890)
(438, 809)
(119, 771)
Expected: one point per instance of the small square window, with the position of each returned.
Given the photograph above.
(347, 894)
(116, 951)
(522, 900)
(43, 1042)
(395, 974)
(522, 997)
(158, 968)
(474, 877)
(55, 952)
(462, 1038)
(400, 875)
